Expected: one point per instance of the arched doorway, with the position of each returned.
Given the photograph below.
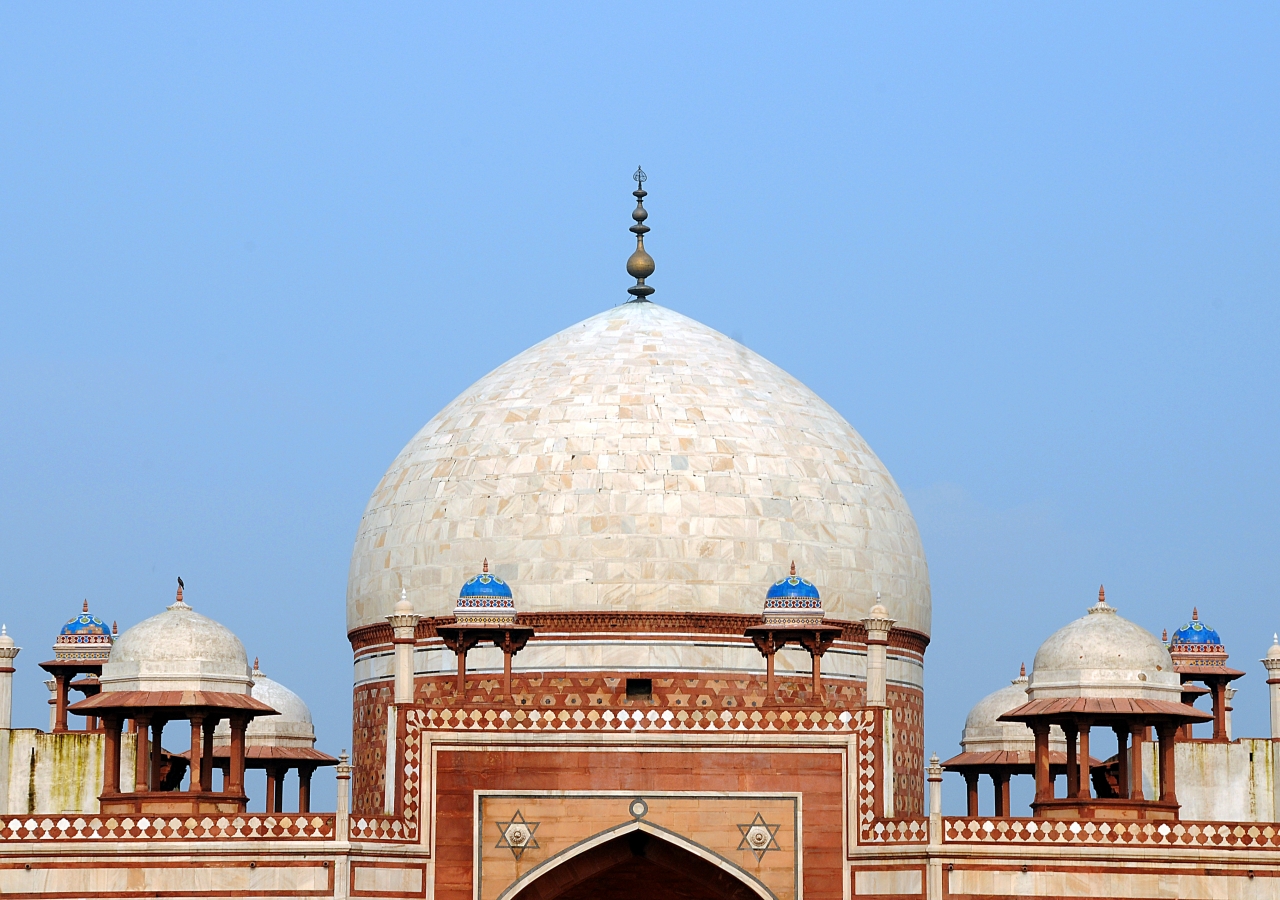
(638, 864)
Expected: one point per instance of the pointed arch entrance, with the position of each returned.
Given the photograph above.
(638, 862)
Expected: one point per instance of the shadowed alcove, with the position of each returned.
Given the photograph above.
(637, 864)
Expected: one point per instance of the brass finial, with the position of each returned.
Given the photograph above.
(640, 263)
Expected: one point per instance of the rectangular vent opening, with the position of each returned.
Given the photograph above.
(639, 688)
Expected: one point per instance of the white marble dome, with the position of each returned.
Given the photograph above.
(177, 650)
(1104, 655)
(984, 733)
(291, 728)
(638, 461)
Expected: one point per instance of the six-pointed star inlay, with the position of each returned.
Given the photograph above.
(517, 835)
(759, 837)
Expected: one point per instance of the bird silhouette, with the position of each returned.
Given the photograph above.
(180, 584)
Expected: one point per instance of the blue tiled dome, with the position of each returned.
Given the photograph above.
(485, 600)
(1195, 632)
(485, 585)
(793, 587)
(85, 624)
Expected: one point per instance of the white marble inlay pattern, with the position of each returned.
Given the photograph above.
(638, 461)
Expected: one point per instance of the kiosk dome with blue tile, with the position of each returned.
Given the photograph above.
(485, 599)
(793, 601)
(1200, 659)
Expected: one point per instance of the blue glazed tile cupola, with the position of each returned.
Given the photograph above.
(84, 637)
(793, 601)
(1195, 632)
(485, 600)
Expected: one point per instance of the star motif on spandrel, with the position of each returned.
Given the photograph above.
(759, 837)
(517, 835)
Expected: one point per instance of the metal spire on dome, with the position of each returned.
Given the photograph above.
(485, 569)
(793, 567)
(1022, 671)
(179, 602)
(85, 608)
(640, 263)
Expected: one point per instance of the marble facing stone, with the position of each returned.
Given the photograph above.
(638, 461)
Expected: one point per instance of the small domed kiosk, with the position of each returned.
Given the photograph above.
(276, 743)
(81, 648)
(486, 613)
(793, 614)
(174, 666)
(999, 749)
(1200, 658)
(1103, 670)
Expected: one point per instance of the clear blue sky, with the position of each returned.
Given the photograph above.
(1029, 251)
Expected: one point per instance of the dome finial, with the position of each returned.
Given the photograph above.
(485, 569)
(1195, 614)
(1164, 635)
(85, 608)
(1102, 594)
(640, 263)
(1022, 671)
(793, 567)
(115, 629)
(179, 603)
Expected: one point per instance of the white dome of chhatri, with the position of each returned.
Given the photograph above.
(291, 728)
(1104, 655)
(984, 733)
(177, 650)
(638, 461)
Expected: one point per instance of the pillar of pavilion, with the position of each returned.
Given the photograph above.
(485, 614)
(1103, 671)
(81, 648)
(793, 614)
(175, 667)
(1200, 658)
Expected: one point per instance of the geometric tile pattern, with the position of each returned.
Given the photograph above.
(148, 828)
(516, 835)
(759, 837)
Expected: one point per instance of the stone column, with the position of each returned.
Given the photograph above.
(7, 654)
(304, 788)
(1122, 760)
(1136, 791)
(1084, 762)
(404, 621)
(1073, 761)
(1272, 663)
(971, 792)
(206, 755)
(60, 701)
(934, 887)
(197, 754)
(1001, 782)
(1166, 734)
(1044, 786)
(111, 755)
(157, 752)
(342, 821)
(142, 756)
(877, 625)
(235, 777)
(53, 703)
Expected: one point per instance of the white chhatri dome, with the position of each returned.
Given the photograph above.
(638, 461)
(984, 733)
(291, 728)
(1104, 655)
(177, 650)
